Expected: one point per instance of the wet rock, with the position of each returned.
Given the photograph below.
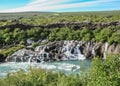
(117, 49)
(98, 50)
(64, 50)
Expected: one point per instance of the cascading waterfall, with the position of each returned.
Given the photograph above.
(106, 47)
(76, 55)
(79, 55)
(60, 50)
(66, 49)
(29, 60)
(93, 51)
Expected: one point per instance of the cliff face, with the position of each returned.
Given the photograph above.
(75, 25)
(64, 50)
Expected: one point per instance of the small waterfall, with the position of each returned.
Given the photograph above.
(67, 47)
(21, 59)
(47, 55)
(77, 53)
(77, 49)
(38, 59)
(15, 58)
(88, 45)
(106, 47)
(30, 58)
(93, 51)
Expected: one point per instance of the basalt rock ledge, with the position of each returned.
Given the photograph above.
(64, 50)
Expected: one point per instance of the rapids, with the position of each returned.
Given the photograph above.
(67, 67)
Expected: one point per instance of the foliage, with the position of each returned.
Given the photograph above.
(39, 77)
(8, 51)
(35, 44)
(18, 34)
(100, 74)
(105, 73)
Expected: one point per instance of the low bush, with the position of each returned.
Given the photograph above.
(101, 74)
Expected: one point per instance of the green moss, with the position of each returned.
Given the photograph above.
(8, 51)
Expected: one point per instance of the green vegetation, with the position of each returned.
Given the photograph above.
(8, 51)
(105, 73)
(13, 38)
(40, 18)
(100, 74)
(18, 35)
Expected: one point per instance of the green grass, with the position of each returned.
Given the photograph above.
(8, 51)
(100, 74)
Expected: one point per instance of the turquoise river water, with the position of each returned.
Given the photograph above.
(64, 66)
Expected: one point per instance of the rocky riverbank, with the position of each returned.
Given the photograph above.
(64, 50)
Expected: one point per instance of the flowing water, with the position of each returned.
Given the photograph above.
(64, 66)
(73, 60)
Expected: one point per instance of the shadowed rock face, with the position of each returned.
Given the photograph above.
(2, 58)
(64, 50)
(75, 25)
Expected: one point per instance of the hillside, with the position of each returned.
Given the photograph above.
(96, 27)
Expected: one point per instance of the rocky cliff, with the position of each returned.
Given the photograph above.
(75, 25)
(64, 50)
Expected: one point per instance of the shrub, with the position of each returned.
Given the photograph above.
(100, 74)
(105, 73)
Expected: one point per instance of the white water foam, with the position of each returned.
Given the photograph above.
(64, 66)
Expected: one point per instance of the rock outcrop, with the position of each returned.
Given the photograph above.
(75, 25)
(64, 50)
(2, 58)
(114, 49)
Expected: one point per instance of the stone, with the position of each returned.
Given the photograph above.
(63, 50)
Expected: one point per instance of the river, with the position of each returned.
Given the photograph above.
(67, 67)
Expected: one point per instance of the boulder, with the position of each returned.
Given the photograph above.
(111, 49)
(117, 49)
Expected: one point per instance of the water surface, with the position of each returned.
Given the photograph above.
(63, 66)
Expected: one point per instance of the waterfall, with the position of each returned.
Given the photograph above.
(47, 55)
(15, 58)
(77, 53)
(21, 59)
(68, 49)
(56, 51)
(105, 50)
(77, 49)
(30, 58)
(93, 51)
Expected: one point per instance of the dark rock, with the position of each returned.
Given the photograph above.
(98, 50)
(63, 50)
(2, 58)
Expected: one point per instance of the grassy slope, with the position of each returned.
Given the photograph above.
(30, 14)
